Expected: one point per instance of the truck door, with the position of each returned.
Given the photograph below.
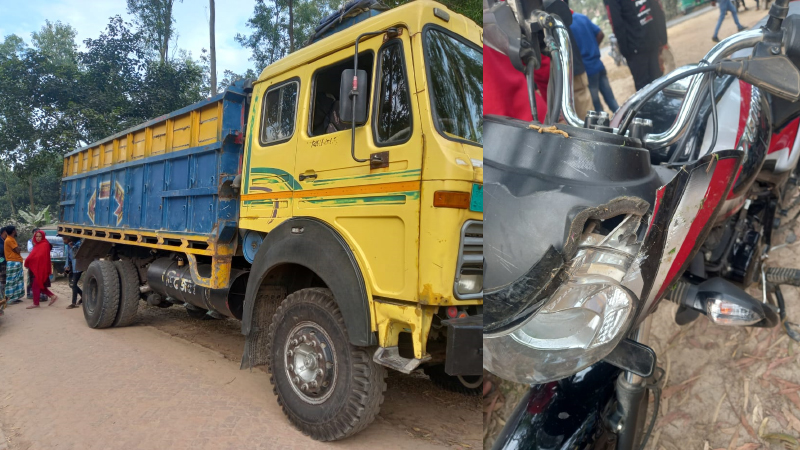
(376, 209)
(268, 180)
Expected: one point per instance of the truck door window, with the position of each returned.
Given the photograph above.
(455, 77)
(280, 108)
(392, 124)
(325, 98)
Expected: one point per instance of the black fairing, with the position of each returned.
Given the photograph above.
(563, 415)
(535, 184)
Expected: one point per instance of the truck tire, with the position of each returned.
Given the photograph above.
(467, 385)
(128, 292)
(100, 294)
(327, 401)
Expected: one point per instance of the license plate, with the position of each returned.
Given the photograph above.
(476, 204)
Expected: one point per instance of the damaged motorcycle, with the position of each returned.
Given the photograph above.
(591, 223)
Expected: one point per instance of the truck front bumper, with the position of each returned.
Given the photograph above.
(464, 346)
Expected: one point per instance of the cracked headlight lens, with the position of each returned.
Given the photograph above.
(579, 325)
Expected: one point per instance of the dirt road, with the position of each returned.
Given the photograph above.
(170, 381)
(725, 387)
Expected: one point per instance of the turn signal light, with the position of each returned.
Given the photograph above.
(451, 199)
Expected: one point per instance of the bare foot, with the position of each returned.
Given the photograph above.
(52, 300)
(32, 306)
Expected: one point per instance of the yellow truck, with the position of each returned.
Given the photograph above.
(334, 206)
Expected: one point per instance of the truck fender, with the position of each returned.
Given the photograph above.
(317, 246)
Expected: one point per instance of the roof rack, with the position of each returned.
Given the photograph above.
(350, 14)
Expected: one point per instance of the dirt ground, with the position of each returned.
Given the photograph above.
(169, 381)
(726, 388)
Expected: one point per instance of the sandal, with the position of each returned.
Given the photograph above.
(32, 307)
(52, 300)
(72, 306)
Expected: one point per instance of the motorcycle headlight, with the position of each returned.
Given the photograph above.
(579, 325)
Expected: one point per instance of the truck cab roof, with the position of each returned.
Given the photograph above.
(412, 16)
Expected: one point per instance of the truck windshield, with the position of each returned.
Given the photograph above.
(455, 77)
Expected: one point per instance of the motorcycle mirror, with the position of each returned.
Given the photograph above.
(775, 74)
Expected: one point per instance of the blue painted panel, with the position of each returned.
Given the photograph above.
(134, 196)
(174, 192)
(203, 214)
(154, 187)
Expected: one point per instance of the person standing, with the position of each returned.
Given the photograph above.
(15, 283)
(38, 262)
(2, 263)
(635, 24)
(589, 36)
(724, 7)
(2, 273)
(28, 287)
(71, 245)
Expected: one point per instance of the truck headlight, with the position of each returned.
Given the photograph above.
(579, 325)
(470, 283)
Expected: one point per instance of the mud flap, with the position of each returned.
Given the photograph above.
(255, 344)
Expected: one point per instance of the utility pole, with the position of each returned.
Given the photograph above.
(213, 50)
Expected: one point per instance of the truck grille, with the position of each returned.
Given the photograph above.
(469, 267)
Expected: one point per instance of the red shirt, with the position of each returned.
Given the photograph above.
(505, 90)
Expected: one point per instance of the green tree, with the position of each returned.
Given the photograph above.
(279, 25)
(156, 22)
(470, 8)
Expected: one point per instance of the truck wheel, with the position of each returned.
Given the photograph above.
(129, 292)
(100, 294)
(328, 388)
(463, 384)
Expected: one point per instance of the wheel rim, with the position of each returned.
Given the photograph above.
(471, 381)
(310, 362)
(91, 300)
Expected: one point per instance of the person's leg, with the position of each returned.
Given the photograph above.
(722, 11)
(736, 18)
(655, 67)
(15, 285)
(75, 288)
(580, 89)
(30, 284)
(645, 68)
(605, 89)
(36, 293)
(593, 90)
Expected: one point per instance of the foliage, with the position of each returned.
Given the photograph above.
(34, 220)
(155, 19)
(470, 8)
(231, 77)
(271, 37)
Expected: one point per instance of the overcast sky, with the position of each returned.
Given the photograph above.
(90, 17)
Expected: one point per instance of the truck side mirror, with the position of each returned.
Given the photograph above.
(353, 101)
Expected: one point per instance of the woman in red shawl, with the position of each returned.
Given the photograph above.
(38, 262)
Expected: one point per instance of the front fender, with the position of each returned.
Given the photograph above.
(317, 246)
